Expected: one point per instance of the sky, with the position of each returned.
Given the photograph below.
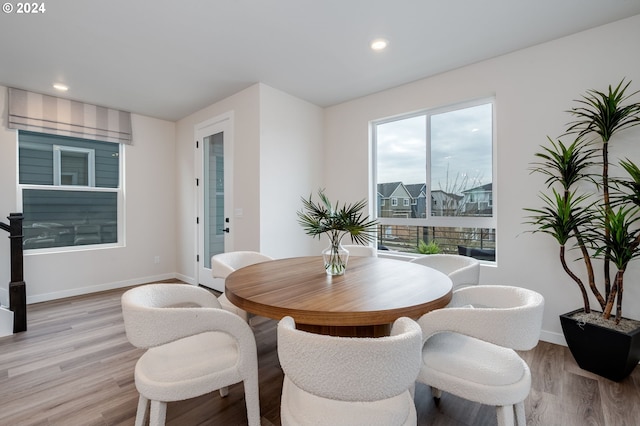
(461, 149)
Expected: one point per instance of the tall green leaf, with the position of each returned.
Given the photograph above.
(565, 164)
(603, 113)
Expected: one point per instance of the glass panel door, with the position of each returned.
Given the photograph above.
(214, 225)
(213, 178)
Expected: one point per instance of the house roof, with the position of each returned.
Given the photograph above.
(386, 189)
(441, 194)
(416, 190)
(482, 188)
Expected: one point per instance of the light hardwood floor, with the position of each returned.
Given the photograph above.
(74, 366)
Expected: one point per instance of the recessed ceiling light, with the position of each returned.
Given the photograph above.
(61, 87)
(379, 44)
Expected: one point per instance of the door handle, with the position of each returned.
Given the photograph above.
(225, 230)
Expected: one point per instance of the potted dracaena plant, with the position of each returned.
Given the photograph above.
(336, 221)
(588, 210)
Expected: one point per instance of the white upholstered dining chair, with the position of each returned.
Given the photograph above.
(352, 381)
(224, 264)
(360, 250)
(463, 270)
(469, 348)
(194, 347)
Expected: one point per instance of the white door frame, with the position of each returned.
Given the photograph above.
(221, 123)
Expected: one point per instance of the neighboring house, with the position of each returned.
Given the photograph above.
(418, 192)
(444, 203)
(394, 200)
(478, 201)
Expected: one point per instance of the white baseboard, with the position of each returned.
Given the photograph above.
(185, 279)
(93, 289)
(553, 337)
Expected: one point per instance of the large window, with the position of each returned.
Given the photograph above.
(440, 162)
(70, 190)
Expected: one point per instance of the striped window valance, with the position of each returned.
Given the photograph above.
(47, 114)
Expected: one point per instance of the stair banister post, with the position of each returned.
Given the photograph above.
(17, 286)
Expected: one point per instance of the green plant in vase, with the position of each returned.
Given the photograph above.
(336, 221)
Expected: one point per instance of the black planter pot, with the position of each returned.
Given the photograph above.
(601, 350)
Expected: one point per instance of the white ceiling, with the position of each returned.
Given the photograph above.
(168, 59)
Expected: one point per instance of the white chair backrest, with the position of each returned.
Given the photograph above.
(360, 250)
(504, 315)
(351, 368)
(224, 264)
(463, 270)
(155, 314)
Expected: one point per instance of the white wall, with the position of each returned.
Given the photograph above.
(277, 156)
(149, 219)
(291, 166)
(245, 230)
(8, 172)
(533, 88)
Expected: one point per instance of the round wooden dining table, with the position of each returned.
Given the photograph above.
(364, 302)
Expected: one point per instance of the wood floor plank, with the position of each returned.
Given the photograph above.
(547, 361)
(74, 366)
(543, 409)
(620, 402)
(582, 402)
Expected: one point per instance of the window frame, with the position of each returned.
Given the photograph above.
(57, 164)
(119, 190)
(429, 220)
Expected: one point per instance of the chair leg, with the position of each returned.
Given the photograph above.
(158, 414)
(521, 418)
(141, 413)
(252, 399)
(505, 415)
(224, 391)
(437, 394)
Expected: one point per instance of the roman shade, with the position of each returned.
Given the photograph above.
(36, 112)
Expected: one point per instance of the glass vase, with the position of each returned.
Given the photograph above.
(335, 259)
